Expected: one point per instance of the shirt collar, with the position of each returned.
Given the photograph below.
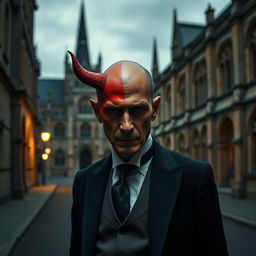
(135, 159)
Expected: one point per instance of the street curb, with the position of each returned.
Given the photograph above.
(26, 224)
(240, 220)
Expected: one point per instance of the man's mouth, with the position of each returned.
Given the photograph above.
(127, 140)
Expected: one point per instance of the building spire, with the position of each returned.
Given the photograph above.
(154, 60)
(82, 50)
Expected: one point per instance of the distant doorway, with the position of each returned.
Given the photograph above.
(85, 158)
(226, 153)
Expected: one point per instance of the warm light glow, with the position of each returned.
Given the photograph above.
(45, 136)
(48, 151)
(45, 156)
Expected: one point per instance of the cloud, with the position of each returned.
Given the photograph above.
(120, 29)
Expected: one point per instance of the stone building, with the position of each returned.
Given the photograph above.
(209, 94)
(19, 72)
(65, 111)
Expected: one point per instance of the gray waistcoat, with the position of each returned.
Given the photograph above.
(129, 238)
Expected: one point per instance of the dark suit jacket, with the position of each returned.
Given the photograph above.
(184, 214)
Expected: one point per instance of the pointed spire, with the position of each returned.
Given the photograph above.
(154, 60)
(82, 51)
(174, 45)
(66, 57)
(174, 15)
(209, 13)
(99, 62)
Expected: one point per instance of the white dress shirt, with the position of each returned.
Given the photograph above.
(135, 180)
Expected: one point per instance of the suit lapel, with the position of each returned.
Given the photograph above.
(166, 175)
(93, 199)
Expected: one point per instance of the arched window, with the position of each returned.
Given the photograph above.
(168, 143)
(196, 144)
(85, 130)
(6, 27)
(168, 102)
(181, 94)
(225, 65)
(59, 130)
(84, 107)
(252, 142)
(200, 82)
(252, 46)
(59, 158)
(204, 143)
(181, 144)
(226, 151)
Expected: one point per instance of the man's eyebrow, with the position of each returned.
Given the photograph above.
(113, 105)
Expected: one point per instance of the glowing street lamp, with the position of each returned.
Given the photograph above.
(47, 151)
(45, 136)
(45, 156)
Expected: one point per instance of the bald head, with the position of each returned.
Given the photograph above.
(125, 78)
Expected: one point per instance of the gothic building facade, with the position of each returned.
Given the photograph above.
(209, 95)
(64, 110)
(19, 71)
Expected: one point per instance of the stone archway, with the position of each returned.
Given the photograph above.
(204, 154)
(252, 142)
(85, 158)
(196, 145)
(226, 152)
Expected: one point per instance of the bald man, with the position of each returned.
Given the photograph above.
(142, 199)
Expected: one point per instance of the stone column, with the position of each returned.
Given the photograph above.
(188, 87)
(174, 95)
(211, 70)
(249, 65)
(210, 142)
(238, 49)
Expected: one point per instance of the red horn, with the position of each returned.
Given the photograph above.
(96, 80)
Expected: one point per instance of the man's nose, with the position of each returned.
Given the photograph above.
(126, 124)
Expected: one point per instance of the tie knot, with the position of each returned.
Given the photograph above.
(125, 170)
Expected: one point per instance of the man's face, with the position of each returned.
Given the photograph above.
(127, 109)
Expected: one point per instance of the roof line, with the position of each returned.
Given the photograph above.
(191, 24)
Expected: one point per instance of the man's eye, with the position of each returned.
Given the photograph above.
(138, 110)
(113, 111)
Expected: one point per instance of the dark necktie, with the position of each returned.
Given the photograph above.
(121, 190)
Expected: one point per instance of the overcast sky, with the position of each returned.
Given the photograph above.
(119, 29)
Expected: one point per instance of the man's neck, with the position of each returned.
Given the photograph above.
(133, 159)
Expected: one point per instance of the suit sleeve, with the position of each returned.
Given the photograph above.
(209, 227)
(75, 241)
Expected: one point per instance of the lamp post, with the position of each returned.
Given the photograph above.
(45, 137)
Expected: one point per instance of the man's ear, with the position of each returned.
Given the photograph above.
(96, 108)
(155, 106)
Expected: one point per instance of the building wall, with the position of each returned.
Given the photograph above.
(211, 115)
(18, 85)
(5, 138)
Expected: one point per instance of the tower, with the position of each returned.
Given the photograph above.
(82, 49)
(154, 60)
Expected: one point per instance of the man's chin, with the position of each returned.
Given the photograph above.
(128, 150)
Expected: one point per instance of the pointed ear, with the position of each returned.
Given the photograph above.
(96, 108)
(155, 106)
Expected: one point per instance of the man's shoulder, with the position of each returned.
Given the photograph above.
(186, 162)
(193, 168)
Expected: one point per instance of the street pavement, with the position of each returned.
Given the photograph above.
(45, 232)
(49, 233)
(241, 240)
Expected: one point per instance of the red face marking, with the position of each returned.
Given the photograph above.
(114, 89)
